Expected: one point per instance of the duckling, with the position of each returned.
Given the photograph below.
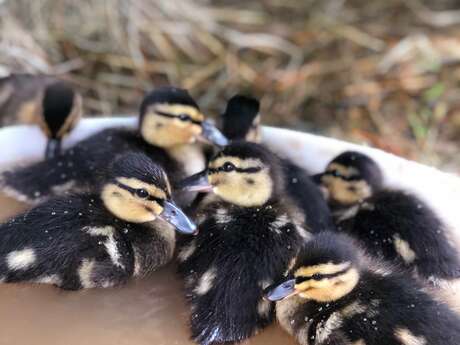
(337, 296)
(170, 122)
(99, 239)
(391, 223)
(241, 120)
(42, 100)
(249, 232)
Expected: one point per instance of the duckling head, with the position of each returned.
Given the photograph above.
(61, 110)
(169, 117)
(138, 191)
(325, 270)
(350, 178)
(241, 119)
(243, 173)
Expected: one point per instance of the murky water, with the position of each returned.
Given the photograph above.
(150, 311)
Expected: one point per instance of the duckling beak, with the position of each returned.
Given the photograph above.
(278, 292)
(196, 183)
(212, 134)
(174, 216)
(53, 148)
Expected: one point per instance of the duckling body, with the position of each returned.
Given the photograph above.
(393, 224)
(402, 229)
(169, 123)
(82, 167)
(248, 236)
(94, 239)
(43, 100)
(241, 121)
(356, 303)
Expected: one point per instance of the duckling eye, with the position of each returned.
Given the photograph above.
(227, 167)
(317, 276)
(142, 193)
(184, 117)
(335, 173)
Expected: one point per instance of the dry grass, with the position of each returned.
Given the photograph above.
(381, 72)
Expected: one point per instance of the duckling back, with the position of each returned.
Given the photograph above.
(403, 229)
(238, 252)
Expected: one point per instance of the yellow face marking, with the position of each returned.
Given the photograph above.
(73, 117)
(163, 131)
(342, 191)
(241, 188)
(328, 268)
(328, 289)
(124, 205)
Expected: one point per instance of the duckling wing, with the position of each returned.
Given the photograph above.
(405, 230)
(68, 242)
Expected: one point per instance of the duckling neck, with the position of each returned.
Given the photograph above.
(189, 156)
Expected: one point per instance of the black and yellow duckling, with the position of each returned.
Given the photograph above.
(43, 100)
(170, 122)
(241, 120)
(390, 223)
(125, 228)
(336, 296)
(249, 232)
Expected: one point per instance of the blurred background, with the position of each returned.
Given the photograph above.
(383, 73)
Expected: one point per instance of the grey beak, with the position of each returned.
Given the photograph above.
(176, 217)
(53, 148)
(212, 134)
(279, 292)
(196, 183)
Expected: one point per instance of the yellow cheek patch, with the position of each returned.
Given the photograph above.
(124, 205)
(329, 289)
(177, 109)
(347, 192)
(73, 117)
(328, 268)
(137, 184)
(243, 189)
(166, 132)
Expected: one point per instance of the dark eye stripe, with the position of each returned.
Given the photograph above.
(319, 276)
(133, 192)
(177, 117)
(251, 170)
(335, 173)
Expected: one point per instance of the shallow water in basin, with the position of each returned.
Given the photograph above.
(150, 311)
